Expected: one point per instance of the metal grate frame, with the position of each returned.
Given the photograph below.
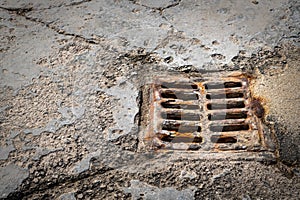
(211, 113)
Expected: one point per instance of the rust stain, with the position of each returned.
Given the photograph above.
(257, 108)
(259, 103)
(201, 87)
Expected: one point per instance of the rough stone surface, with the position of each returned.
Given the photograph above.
(71, 73)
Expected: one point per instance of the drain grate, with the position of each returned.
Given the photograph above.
(210, 113)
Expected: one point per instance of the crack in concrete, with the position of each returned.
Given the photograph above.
(77, 3)
(68, 180)
(290, 37)
(18, 11)
(23, 11)
(28, 9)
(64, 5)
(159, 9)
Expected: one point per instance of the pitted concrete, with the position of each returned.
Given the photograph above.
(70, 79)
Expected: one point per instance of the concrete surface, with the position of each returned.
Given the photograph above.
(71, 73)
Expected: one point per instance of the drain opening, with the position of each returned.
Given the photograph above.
(171, 94)
(194, 147)
(228, 128)
(179, 85)
(223, 139)
(210, 86)
(179, 139)
(222, 116)
(169, 104)
(180, 116)
(181, 128)
(228, 105)
(225, 95)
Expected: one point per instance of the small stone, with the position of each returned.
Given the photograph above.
(35, 180)
(246, 197)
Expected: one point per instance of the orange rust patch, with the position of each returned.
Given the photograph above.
(257, 108)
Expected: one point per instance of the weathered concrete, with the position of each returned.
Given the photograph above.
(71, 73)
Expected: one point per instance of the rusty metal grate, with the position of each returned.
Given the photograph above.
(210, 113)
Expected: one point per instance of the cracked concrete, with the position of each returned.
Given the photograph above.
(70, 79)
(16, 5)
(157, 5)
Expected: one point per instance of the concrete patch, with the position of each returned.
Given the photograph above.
(143, 190)
(11, 176)
(124, 113)
(4, 151)
(67, 196)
